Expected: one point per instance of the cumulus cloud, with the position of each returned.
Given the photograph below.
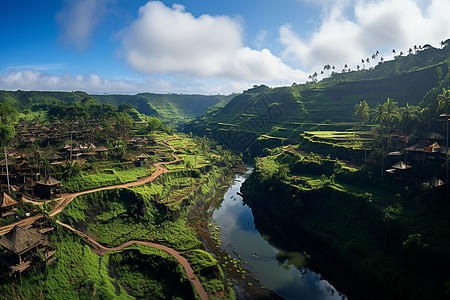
(93, 83)
(351, 30)
(34, 80)
(260, 38)
(77, 21)
(171, 40)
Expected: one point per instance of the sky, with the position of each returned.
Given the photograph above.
(202, 46)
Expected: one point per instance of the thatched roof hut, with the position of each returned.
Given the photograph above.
(101, 149)
(20, 240)
(435, 136)
(49, 181)
(435, 147)
(395, 153)
(401, 165)
(54, 156)
(7, 201)
(416, 148)
(434, 182)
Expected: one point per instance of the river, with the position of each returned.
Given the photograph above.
(281, 271)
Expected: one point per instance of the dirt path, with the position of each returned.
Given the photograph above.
(64, 201)
(183, 261)
(24, 223)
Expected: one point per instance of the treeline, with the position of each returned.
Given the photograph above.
(413, 120)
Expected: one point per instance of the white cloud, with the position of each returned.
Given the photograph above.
(39, 67)
(33, 80)
(93, 83)
(260, 38)
(78, 19)
(346, 37)
(172, 41)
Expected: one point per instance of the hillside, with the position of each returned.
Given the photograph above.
(172, 108)
(286, 112)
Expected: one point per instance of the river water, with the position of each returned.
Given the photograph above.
(281, 271)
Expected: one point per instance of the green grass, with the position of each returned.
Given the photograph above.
(91, 181)
(150, 273)
(78, 273)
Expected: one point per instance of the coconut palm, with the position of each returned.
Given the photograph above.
(407, 113)
(361, 114)
(391, 109)
(379, 115)
(444, 101)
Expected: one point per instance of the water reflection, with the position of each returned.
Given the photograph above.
(281, 271)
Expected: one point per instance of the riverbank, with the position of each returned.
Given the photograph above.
(241, 286)
(365, 250)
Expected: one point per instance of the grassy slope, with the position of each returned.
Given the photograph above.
(337, 215)
(284, 113)
(340, 99)
(171, 107)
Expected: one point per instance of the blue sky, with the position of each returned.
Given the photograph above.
(207, 47)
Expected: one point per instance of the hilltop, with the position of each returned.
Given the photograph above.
(171, 108)
(284, 113)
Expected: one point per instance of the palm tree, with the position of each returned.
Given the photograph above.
(361, 113)
(444, 101)
(407, 113)
(423, 117)
(314, 76)
(393, 53)
(326, 69)
(8, 116)
(391, 109)
(379, 115)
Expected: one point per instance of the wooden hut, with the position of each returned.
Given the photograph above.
(401, 165)
(434, 182)
(24, 247)
(8, 204)
(101, 150)
(48, 187)
(141, 159)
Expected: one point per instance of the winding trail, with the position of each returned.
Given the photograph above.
(183, 261)
(62, 202)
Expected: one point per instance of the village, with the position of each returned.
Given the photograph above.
(32, 171)
(420, 163)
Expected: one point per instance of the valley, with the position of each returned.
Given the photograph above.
(245, 196)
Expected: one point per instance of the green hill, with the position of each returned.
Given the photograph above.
(173, 108)
(286, 112)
